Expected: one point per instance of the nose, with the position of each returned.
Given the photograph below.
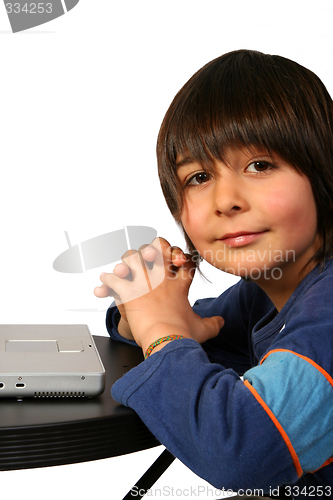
(230, 195)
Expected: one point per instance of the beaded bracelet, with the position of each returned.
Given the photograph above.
(160, 341)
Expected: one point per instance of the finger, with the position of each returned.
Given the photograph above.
(103, 291)
(124, 290)
(162, 245)
(109, 282)
(159, 250)
(155, 272)
(135, 263)
(129, 253)
(135, 259)
(178, 257)
(188, 268)
(148, 253)
(122, 270)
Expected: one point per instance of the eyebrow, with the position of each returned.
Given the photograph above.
(185, 161)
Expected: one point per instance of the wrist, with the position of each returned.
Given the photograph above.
(160, 335)
(158, 348)
(124, 329)
(158, 344)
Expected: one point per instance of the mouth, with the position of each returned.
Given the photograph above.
(241, 238)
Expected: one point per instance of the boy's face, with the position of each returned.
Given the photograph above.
(255, 216)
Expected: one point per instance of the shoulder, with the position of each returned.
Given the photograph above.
(313, 298)
(308, 322)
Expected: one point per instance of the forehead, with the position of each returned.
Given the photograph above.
(183, 161)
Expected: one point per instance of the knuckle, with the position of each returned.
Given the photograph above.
(162, 242)
(140, 249)
(176, 250)
(148, 252)
(133, 261)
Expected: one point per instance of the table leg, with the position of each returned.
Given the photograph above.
(150, 477)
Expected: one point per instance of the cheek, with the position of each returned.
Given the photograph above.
(295, 210)
(193, 220)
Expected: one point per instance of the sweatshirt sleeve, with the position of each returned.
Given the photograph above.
(112, 321)
(207, 417)
(241, 306)
(272, 427)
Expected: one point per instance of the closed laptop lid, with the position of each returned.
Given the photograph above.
(49, 361)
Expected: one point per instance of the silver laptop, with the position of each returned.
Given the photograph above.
(49, 361)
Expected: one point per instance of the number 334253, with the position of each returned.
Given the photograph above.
(29, 8)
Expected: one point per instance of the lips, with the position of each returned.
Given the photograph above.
(241, 238)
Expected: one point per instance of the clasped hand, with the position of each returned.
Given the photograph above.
(150, 288)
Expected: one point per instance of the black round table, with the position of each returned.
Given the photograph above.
(45, 432)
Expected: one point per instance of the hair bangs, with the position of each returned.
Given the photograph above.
(230, 107)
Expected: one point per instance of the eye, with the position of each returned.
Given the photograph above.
(258, 167)
(197, 179)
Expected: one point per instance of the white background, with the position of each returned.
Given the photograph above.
(82, 98)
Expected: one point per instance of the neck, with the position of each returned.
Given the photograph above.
(280, 290)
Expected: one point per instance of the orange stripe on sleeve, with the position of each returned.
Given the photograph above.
(278, 426)
(318, 367)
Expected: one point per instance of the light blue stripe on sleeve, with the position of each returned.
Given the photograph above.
(301, 399)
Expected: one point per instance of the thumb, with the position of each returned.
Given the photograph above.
(213, 326)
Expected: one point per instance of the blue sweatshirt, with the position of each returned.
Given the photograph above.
(273, 427)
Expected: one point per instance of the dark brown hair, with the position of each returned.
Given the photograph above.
(249, 99)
